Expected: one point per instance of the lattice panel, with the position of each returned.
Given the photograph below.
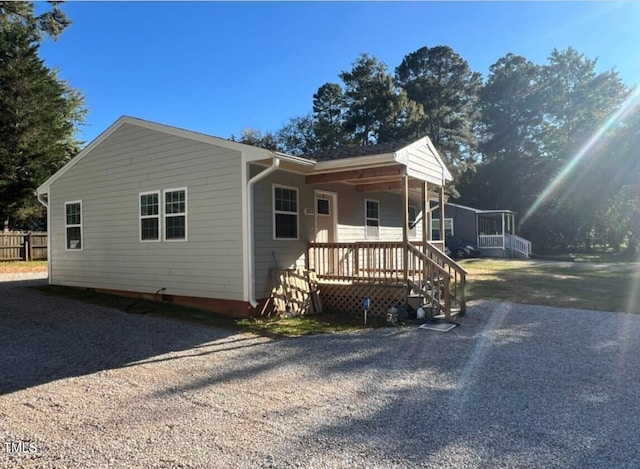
(348, 298)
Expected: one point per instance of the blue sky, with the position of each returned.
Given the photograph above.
(220, 67)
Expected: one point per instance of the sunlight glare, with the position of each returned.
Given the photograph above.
(628, 106)
(633, 302)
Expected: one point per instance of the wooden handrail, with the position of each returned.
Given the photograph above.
(444, 259)
(446, 265)
(418, 253)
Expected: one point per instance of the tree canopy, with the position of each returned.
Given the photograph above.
(548, 141)
(39, 112)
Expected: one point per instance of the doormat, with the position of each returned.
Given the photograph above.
(438, 326)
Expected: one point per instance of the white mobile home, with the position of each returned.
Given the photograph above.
(152, 210)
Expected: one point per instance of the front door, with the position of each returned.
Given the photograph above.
(326, 203)
(326, 219)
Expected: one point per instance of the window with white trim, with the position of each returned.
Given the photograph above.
(150, 216)
(73, 225)
(175, 214)
(435, 228)
(372, 219)
(285, 212)
(413, 220)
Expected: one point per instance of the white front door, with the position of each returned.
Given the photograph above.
(326, 217)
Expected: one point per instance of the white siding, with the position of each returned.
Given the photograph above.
(109, 179)
(288, 253)
(351, 215)
(292, 253)
(423, 165)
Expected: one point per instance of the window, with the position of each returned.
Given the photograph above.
(413, 215)
(323, 207)
(73, 224)
(285, 212)
(435, 228)
(372, 219)
(150, 216)
(175, 215)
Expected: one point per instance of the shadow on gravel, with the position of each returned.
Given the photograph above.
(519, 390)
(46, 338)
(514, 385)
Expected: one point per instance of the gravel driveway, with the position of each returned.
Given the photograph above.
(513, 386)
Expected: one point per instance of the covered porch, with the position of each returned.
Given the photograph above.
(390, 271)
(496, 233)
(367, 224)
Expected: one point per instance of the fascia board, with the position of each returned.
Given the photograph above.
(250, 150)
(355, 162)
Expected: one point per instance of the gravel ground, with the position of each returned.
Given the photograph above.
(513, 386)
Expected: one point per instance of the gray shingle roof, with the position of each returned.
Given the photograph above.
(351, 152)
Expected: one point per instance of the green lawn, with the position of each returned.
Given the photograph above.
(585, 285)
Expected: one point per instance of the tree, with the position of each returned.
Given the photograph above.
(619, 220)
(511, 109)
(577, 139)
(550, 147)
(39, 112)
(376, 111)
(511, 117)
(298, 137)
(329, 109)
(442, 83)
(257, 138)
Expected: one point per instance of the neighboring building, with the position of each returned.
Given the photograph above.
(153, 210)
(492, 231)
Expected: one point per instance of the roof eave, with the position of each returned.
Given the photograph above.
(354, 162)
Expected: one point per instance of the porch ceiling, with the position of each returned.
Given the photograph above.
(372, 179)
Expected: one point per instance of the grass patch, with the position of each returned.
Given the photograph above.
(583, 285)
(271, 327)
(11, 267)
(304, 325)
(590, 256)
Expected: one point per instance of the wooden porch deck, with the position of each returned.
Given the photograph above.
(388, 272)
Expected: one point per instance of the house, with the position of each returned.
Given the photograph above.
(164, 213)
(492, 231)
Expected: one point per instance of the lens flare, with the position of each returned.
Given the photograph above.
(628, 106)
(633, 301)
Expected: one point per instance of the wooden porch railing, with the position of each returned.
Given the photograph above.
(430, 272)
(364, 260)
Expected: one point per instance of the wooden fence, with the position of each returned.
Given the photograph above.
(23, 246)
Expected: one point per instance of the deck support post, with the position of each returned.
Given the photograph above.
(441, 202)
(426, 229)
(405, 227)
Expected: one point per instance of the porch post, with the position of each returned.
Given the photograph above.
(425, 216)
(405, 225)
(441, 201)
(503, 233)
